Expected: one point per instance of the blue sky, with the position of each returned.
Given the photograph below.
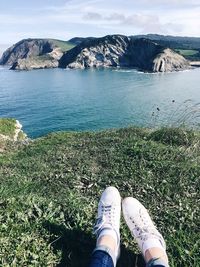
(64, 19)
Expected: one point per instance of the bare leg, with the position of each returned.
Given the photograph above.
(108, 241)
(153, 253)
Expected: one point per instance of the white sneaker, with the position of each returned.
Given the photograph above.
(108, 219)
(141, 225)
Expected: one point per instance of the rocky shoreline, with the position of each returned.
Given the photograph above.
(195, 64)
(122, 51)
(14, 134)
(109, 51)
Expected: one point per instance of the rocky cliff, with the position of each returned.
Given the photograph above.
(122, 51)
(108, 51)
(34, 53)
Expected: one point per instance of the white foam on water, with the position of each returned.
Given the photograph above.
(126, 71)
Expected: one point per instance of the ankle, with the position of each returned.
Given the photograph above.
(157, 262)
(155, 253)
(108, 241)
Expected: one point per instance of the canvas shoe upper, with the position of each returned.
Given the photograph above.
(141, 225)
(109, 212)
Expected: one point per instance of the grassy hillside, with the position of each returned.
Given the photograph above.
(173, 41)
(64, 45)
(7, 127)
(190, 54)
(189, 47)
(51, 186)
(187, 52)
(9, 130)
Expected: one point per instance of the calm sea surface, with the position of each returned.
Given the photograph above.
(53, 100)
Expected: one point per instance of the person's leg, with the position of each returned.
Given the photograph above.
(101, 258)
(150, 241)
(106, 229)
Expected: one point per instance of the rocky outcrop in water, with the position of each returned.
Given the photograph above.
(122, 51)
(46, 61)
(168, 61)
(32, 54)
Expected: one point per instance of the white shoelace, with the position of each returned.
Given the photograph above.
(145, 232)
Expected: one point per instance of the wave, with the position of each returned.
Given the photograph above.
(126, 71)
(4, 68)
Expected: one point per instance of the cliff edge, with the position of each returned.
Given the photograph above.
(109, 51)
(122, 51)
(11, 129)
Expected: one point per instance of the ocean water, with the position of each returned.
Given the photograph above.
(56, 99)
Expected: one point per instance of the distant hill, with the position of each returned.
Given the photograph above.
(35, 53)
(150, 52)
(189, 47)
(78, 40)
(173, 41)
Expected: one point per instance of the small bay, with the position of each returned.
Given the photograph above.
(55, 99)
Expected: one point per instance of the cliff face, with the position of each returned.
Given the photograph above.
(49, 60)
(122, 51)
(34, 63)
(34, 53)
(168, 61)
(108, 51)
(26, 49)
(99, 52)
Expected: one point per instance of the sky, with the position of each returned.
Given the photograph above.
(64, 19)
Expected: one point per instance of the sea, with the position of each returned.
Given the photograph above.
(50, 100)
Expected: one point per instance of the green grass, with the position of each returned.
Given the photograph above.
(7, 127)
(64, 45)
(41, 58)
(50, 189)
(187, 52)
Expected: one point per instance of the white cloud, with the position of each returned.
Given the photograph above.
(175, 2)
(142, 22)
(101, 17)
(92, 16)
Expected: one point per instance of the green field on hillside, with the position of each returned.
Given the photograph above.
(187, 52)
(50, 189)
(64, 45)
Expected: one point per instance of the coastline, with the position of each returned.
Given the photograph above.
(195, 64)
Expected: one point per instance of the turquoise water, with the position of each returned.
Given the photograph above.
(52, 100)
